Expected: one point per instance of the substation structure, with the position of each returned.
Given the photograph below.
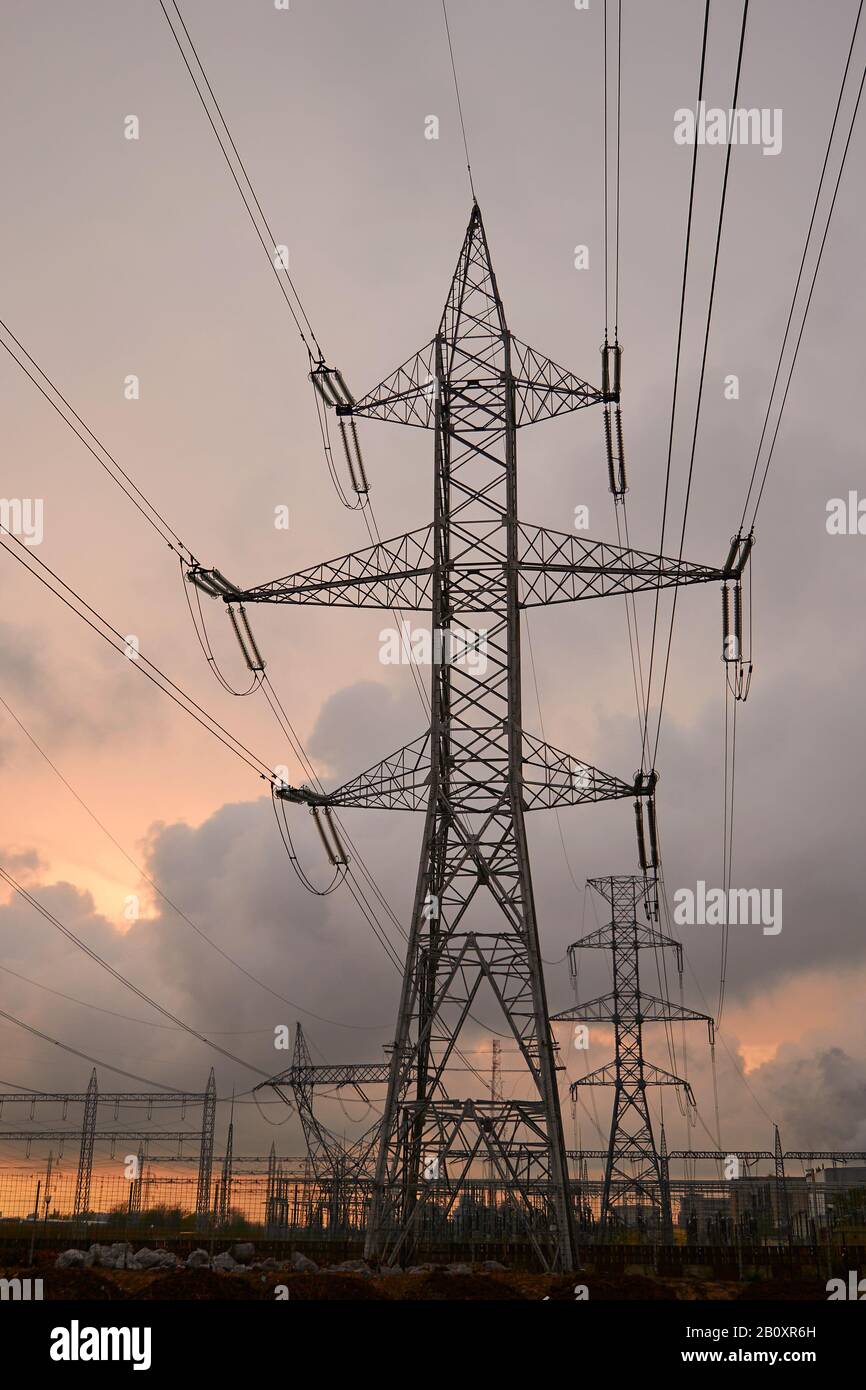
(475, 772)
(744, 1202)
(91, 1134)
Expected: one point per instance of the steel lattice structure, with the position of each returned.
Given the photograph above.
(92, 1099)
(633, 1163)
(475, 772)
(332, 1161)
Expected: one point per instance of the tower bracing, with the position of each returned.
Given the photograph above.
(474, 773)
(205, 1165)
(336, 1166)
(634, 1166)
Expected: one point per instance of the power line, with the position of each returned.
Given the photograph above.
(207, 722)
(702, 374)
(191, 707)
(141, 663)
(127, 1018)
(95, 1061)
(459, 102)
(173, 905)
(803, 261)
(808, 301)
(116, 975)
(112, 468)
(269, 251)
(677, 360)
(369, 517)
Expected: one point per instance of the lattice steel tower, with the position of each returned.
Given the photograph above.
(475, 772)
(634, 1166)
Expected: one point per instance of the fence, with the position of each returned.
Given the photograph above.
(291, 1204)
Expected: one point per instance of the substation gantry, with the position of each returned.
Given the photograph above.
(92, 1100)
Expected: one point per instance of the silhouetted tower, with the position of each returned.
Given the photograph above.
(496, 1071)
(205, 1162)
(88, 1136)
(783, 1213)
(634, 1166)
(475, 772)
(137, 1184)
(228, 1159)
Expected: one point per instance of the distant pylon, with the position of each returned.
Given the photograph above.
(85, 1157)
(634, 1166)
(205, 1161)
(783, 1214)
(226, 1190)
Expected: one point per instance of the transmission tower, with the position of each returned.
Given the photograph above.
(496, 1071)
(336, 1166)
(85, 1162)
(634, 1166)
(475, 772)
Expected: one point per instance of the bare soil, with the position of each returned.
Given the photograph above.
(205, 1285)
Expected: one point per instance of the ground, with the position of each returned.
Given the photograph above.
(437, 1284)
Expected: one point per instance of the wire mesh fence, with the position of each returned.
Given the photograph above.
(292, 1205)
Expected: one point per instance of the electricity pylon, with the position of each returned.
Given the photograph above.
(332, 1160)
(475, 772)
(634, 1166)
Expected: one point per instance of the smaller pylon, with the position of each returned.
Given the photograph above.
(85, 1157)
(226, 1188)
(667, 1219)
(205, 1161)
(634, 1167)
(783, 1215)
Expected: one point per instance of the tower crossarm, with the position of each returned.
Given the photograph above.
(610, 1074)
(553, 778)
(407, 396)
(543, 389)
(181, 1098)
(745, 1155)
(336, 1074)
(401, 782)
(557, 567)
(553, 567)
(824, 1155)
(641, 1008)
(330, 1156)
(106, 1136)
(643, 936)
(396, 572)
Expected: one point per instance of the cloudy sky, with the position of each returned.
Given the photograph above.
(125, 257)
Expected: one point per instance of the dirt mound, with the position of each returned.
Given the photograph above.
(62, 1284)
(460, 1288)
(199, 1285)
(600, 1290)
(325, 1288)
(782, 1291)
